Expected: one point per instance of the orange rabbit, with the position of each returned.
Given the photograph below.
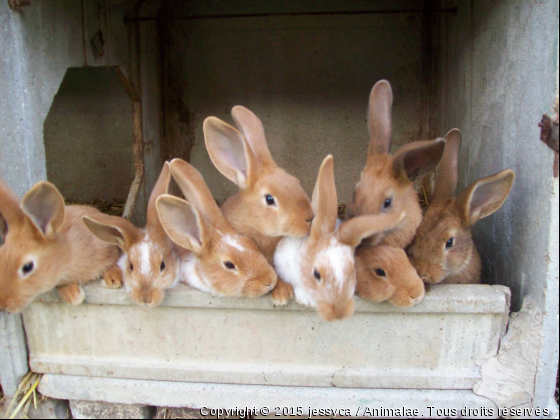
(150, 263)
(443, 250)
(271, 204)
(385, 273)
(47, 246)
(385, 185)
(215, 258)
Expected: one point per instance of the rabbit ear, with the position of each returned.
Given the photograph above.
(10, 211)
(230, 152)
(484, 197)
(161, 187)
(196, 191)
(44, 206)
(418, 158)
(446, 175)
(252, 129)
(324, 202)
(183, 223)
(379, 119)
(355, 230)
(113, 230)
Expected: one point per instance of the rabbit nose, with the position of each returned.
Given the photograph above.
(146, 299)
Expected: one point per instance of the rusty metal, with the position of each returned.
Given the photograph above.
(282, 14)
(16, 5)
(549, 136)
(549, 132)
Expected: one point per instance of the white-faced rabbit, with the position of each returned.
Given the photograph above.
(320, 266)
(150, 263)
(215, 258)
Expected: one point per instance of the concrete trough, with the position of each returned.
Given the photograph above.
(194, 337)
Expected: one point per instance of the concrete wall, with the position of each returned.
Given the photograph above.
(498, 68)
(88, 136)
(308, 78)
(498, 75)
(38, 44)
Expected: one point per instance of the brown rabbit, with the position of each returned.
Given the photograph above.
(443, 250)
(385, 185)
(271, 204)
(150, 263)
(385, 273)
(47, 246)
(220, 260)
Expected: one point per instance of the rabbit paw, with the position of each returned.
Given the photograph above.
(72, 294)
(112, 278)
(282, 293)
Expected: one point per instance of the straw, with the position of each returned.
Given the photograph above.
(173, 414)
(112, 209)
(27, 388)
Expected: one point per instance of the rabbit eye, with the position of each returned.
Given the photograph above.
(387, 203)
(380, 272)
(317, 275)
(28, 268)
(450, 243)
(229, 265)
(162, 267)
(131, 267)
(270, 201)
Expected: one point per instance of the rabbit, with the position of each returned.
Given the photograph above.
(149, 262)
(215, 258)
(271, 204)
(385, 273)
(47, 246)
(443, 250)
(385, 185)
(320, 266)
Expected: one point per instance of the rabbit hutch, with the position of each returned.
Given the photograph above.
(97, 94)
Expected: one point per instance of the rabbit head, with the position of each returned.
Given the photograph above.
(35, 252)
(226, 263)
(443, 250)
(386, 182)
(322, 265)
(273, 201)
(385, 273)
(149, 262)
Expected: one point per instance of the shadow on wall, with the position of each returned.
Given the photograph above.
(88, 137)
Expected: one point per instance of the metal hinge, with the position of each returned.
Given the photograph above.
(549, 136)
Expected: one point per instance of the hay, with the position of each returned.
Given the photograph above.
(25, 395)
(112, 209)
(175, 414)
